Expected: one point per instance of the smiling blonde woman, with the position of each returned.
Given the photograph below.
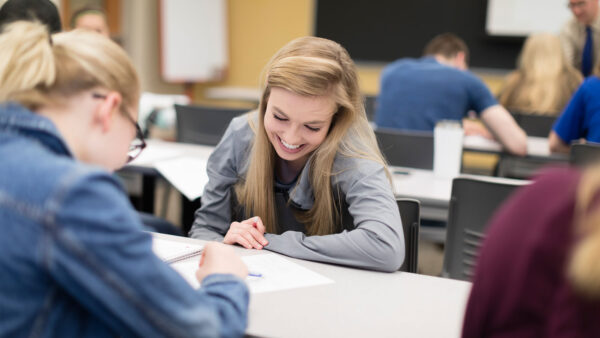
(303, 175)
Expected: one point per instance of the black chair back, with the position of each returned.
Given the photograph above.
(583, 154)
(535, 125)
(472, 204)
(410, 210)
(403, 148)
(203, 124)
(370, 106)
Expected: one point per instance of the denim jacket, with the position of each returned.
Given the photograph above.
(74, 259)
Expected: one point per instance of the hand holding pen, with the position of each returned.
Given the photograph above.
(219, 258)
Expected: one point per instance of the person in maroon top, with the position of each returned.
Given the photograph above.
(538, 273)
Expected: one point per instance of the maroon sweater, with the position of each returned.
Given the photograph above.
(519, 288)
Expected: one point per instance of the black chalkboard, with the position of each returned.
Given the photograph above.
(385, 30)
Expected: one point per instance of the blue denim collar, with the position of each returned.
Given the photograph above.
(16, 118)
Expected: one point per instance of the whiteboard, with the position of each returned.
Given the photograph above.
(523, 17)
(193, 40)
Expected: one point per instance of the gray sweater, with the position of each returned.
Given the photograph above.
(371, 234)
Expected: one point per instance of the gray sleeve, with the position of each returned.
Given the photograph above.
(213, 218)
(376, 242)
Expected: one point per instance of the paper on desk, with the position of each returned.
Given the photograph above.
(167, 250)
(186, 174)
(277, 273)
(153, 154)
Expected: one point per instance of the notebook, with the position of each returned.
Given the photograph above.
(172, 252)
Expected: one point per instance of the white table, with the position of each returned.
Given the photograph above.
(536, 146)
(538, 155)
(359, 304)
(433, 192)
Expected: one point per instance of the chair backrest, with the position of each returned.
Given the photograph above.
(370, 106)
(583, 154)
(403, 148)
(535, 125)
(203, 124)
(410, 210)
(472, 204)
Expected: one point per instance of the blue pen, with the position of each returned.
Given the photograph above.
(254, 274)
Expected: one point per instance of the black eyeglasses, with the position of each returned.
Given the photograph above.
(138, 144)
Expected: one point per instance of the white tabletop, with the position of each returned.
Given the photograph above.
(157, 150)
(433, 192)
(359, 304)
(536, 146)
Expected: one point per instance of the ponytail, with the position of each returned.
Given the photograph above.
(36, 71)
(26, 59)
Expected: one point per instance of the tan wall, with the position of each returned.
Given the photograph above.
(257, 29)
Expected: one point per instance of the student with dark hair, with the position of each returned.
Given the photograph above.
(43, 11)
(417, 93)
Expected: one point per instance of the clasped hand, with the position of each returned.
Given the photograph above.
(248, 233)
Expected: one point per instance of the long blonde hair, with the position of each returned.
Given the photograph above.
(37, 70)
(544, 81)
(309, 66)
(584, 267)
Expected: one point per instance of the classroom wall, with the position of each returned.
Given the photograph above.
(257, 29)
(140, 40)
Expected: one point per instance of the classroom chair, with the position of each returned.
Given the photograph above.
(473, 202)
(535, 125)
(370, 107)
(583, 154)
(203, 124)
(404, 148)
(410, 215)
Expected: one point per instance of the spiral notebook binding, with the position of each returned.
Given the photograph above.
(183, 257)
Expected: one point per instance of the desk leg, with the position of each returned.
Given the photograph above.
(188, 209)
(146, 202)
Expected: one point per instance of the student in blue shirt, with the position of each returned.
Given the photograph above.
(580, 119)
(74, 259)
(417, 93)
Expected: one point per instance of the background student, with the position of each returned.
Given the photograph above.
(537, 274)
(581, 117)
(43, 11)
(417, 93)
(544, 81)
(91, 18)
(73, 254)
(580, 36)
(307, 165)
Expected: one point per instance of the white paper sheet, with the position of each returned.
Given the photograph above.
(186, 174)
(167, 250)
(277, 273)
(153, 154)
